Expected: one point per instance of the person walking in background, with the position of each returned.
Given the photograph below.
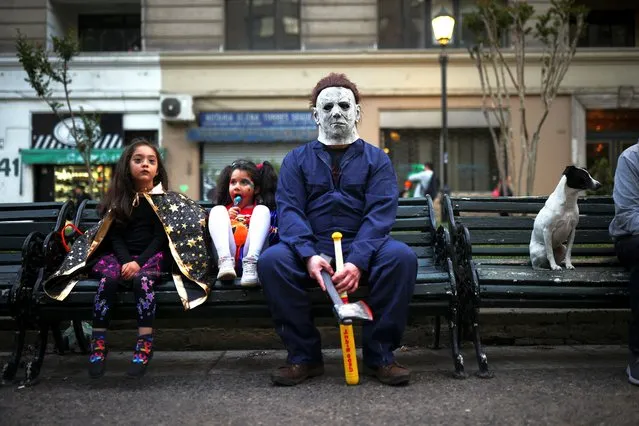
(499, 189)
(427, 183)
(79, 195)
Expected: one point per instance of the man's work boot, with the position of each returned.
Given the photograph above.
(294, 374)
(393, 374)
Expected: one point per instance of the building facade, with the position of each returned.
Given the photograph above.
(111, 78)
(235, 77)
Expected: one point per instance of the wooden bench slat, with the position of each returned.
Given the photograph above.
(25, 228)
(412, 211)
(520, 236)
(38, 205)
(521, 207)
(494, 301)
(411, 224)
(432, 288)
(590, 199)
(524, 291)
(413, 238)
(586, 275)
(425, 261)
(9, 269)
(423, 251)
(601, 261)
(13, 258)
(40, 215)
(526, 222)
(523, 251)
(12, 243)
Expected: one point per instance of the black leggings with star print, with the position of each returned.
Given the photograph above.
(106, 296)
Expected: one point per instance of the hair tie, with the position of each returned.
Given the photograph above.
(259, 166)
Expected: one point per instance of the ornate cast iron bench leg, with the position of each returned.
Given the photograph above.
(458, 358)
(470, 297)
(10, 368)
(32, 368)
(443, 258)
(482, 360)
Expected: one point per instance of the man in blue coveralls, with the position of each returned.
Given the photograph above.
(337, 183)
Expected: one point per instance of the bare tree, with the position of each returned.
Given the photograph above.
(43, 74)
(502, 76)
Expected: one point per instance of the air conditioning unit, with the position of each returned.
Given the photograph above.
(176, 108)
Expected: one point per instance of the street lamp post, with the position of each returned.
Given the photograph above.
(443, 26)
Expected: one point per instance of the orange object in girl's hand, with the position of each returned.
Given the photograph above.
(240, 232)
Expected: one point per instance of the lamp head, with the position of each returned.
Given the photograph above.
(443, 26)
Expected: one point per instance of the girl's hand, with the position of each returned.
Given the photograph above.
(129, 270)
(233, 212)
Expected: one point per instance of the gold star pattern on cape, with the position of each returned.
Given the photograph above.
(173, 210)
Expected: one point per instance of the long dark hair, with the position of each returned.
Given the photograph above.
(119, 196)
(263, 176)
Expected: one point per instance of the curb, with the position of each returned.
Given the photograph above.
(498, 327)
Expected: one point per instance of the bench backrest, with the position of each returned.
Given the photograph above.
(18, 220)
(502, 226)
(415, 223)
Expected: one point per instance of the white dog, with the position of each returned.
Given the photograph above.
(557, 221)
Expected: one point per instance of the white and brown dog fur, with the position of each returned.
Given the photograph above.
(557, 221)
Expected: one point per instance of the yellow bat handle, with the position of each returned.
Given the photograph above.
(349, 354)
(339, 258)
(347, 337)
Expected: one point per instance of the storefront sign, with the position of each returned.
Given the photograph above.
(254, 127)
(52, 141)
(69, 156)
(64, 130)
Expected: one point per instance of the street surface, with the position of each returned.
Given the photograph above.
(562, 385)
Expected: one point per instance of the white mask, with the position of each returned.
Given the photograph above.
(336, 114)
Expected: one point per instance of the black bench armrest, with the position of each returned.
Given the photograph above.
(447, 214)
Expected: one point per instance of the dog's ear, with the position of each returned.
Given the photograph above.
(567, 170)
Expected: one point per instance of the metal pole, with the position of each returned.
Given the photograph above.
(443, 60)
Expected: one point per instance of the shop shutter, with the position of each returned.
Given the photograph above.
(218, 156)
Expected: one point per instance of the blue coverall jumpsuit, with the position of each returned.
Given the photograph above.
(362, 205)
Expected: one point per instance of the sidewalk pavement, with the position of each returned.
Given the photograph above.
(545, 385)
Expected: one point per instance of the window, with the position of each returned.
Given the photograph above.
(407, 23)
(608, 133)
(472, 165)
(262, 24)
(609, 28)
(149, 135)
(109, 33)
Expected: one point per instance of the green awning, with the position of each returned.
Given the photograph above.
(71, 156)
(68, 156)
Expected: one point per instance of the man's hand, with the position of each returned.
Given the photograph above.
(347, 280)
(314, 266)
(233, 212)
(129, 270)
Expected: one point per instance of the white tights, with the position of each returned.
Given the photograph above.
(222, 233)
